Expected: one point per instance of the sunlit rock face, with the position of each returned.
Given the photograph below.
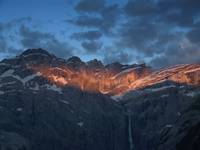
(92, 76)
(115, 82)
(184, 74)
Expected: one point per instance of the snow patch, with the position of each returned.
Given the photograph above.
(165, 95)
(53, 88)
(4, 64)
(9, 73)
(28, 78)
(36, 88)
(80, 124)
(168, 126)
(19, 109)
(192, 94)
(65, 102)
(117, 97)
(161, 88)
(2, 92)
(7, 83)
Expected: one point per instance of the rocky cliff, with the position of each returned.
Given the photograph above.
(56, 104)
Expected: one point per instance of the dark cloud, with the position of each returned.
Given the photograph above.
(6, 49)
(90, 5)
(33, 39)
(89, 35)
(178, 52)
(180, 12)
(194, 35)
(14, 23)
(138, 36)
(117, 56)
(181, 57)
(96, 14)
(111, 16)
(88, 21)
(140, 8)
(91, 46)
(37, 39)
(156, 29)
(8, 32)
(105, 18)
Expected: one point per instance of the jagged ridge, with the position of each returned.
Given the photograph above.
(93, 76)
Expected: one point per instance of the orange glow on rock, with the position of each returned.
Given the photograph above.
(112, 83)
(90, 80)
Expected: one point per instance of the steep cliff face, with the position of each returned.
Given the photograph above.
(113, 79)
(162, 115)
(47, 119)
(92, 76)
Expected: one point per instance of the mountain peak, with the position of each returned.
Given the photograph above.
(74, 59)
(35, 51)
(95, 63)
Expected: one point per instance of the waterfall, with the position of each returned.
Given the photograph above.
(130, 137)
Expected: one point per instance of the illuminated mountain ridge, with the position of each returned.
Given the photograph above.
(112, 79)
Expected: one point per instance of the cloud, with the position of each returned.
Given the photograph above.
(150, 29)
(140, 8)
(36, 39)
(194, 35)
(14, 23)
(111, 15)
(179, 52)
(99, 16)
(164, 32)
(155, 29)
(91, 46)
(120, 56)
(88, 21)
(89, 35)
(105, 18)
(140, 36)
(90, 5)
(8, 36)
(113, 54)
(180, 12)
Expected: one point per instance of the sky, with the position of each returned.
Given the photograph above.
(156, 32)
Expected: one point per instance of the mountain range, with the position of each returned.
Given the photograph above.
(49, 103)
